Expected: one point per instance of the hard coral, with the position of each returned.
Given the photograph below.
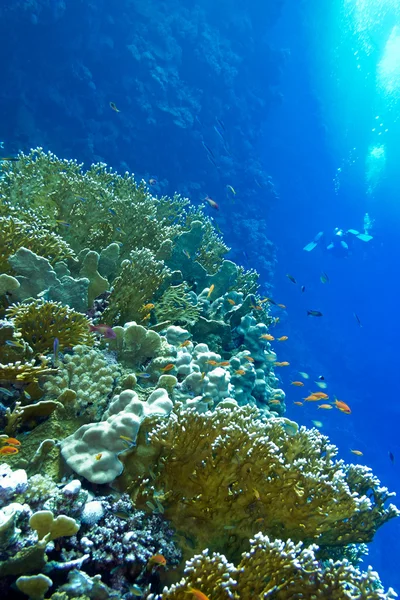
(40, 323)
(276, 569)
(177, 305)
(226, 474)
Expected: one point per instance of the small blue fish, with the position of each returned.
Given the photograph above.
(63, 223)
(112, 211)
(6, 392)
(120, 230)
(143, 375)
(14, 344)
(56, 345)
(81, 198)
(135, 590)
(27, 396)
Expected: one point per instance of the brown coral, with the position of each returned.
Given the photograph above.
(279, 570)
(40, 323)
(227, 474)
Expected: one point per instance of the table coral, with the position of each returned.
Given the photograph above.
(225, 474)
(40, 323)
(276, 569)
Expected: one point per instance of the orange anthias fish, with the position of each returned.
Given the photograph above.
(357, 452)
(224, 363)
(312, 398)
(10, 441)
(213, 363)
(105, 330)
(249, 358)
(231, 302)
(274, 401)
(267, 336)
(185, 343)
(240, 372)
(196, 593)
(297, 383)
(283, 338)
(325, 406)
(168, 367)
(147, 307)
(285, 363)
(320, 395)
(210, 291)
(211, 202)
(281, 305)
(157, 560)
(8, 450)
(298, 403)
(343, 407)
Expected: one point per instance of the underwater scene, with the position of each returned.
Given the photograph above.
(199, 250)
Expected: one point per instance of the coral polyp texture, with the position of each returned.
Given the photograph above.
(142, 422)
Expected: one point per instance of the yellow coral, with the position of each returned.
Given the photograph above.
(40, 322)
(227, 474)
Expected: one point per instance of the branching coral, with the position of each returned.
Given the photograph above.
(279, 570)
(40, 323)
(226, 474)
(176, 305)
(15, 234)
(140, 278)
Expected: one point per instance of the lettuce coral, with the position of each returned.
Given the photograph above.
(226, 474)
(276, 569)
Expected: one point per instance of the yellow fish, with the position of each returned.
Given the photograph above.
(210, 291)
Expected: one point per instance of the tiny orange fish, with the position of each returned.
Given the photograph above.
(157, 560)
(258, 307)
(284, 363)
(357, 452)
(196, 593)
(283, 338)
(249, 358)
(224, 363)
(298, 403)
(146, 317)
(213, 363)
(297, 383)
(203, 375)
(274, 401)
(231, 302)
(168, 367)
(343, 407)
(147, 307)
(185, 343)
(312, 398)
(240, 372)
(10, 441)
(320, 395)
(267, 336)
(325, 406)
(281, 305)
(8, 450)
(210, 291)
(98, 456)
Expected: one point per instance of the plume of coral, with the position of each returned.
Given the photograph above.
(227, 474)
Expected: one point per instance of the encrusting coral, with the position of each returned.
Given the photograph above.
(40, 323)
(226, 474)
(275, 569)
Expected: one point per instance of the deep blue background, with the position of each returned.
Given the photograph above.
(279, 75)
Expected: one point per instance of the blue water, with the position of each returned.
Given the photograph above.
(296, 87)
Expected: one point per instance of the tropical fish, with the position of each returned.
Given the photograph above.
(297, 383)
(157, 560)
(321, 378)
(391, 456)
(56, 346)
(210, 291)
(343, 407)
(151, 505)
(312, 398)
(213, 363)
(325, 406)
(298, 403)
(196, 593)
(231, 302)
(224, 363)
(27, 396)
(120, 230)
(271, 358)
(152, 181)
(10, 441)
(304, 375)
(211, 203)
(267, 336)
(291, 278)
(12, 158)
(168, 367)
(240, 372)
(98, 456)
(122, 514)
(256, 307)
(104, 330)
(113, 107)
(147, 307)
(125, 438)
(314, 313)
(357, 318)
(208, 149)
(249, 358)
(220, 123)
(15, 344)
(357, 452)
(283, 338)
(135, 590)
(63, 223)
(320, 395)
(231, 189)
(146, 317)
(317, 423)
(143, 375)
(285, 363)
(303, 288)
(185, 344)
(321, 384)
(6, 392)
(112, 211)
(274, 401)
(324, 278)
(281, 305)
(8, 450)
